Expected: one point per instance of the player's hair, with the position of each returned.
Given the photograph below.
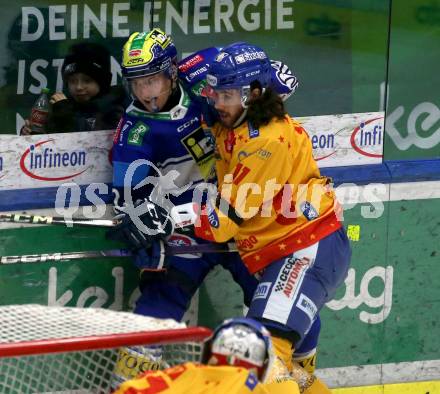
(262, 109)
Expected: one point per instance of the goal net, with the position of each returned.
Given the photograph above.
(76, 350)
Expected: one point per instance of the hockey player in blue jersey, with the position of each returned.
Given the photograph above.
(161, 135)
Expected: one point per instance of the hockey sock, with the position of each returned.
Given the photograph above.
(317, 387)
(307, 361)
(307, 383)
(279, 371)
(134, 360)
(283, 350)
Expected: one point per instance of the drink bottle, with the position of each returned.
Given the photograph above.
(40, 112)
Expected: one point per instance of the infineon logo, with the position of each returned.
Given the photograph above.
(323, 145)
(37, 161)
(368, 135)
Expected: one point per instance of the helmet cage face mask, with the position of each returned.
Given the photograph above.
(241, 342)
(150, 89)
(227, 96)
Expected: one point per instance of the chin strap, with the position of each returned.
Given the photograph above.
(240, 119)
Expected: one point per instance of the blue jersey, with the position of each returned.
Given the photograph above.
(171, 141)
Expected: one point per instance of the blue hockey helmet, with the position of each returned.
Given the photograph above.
(148, 53)
(240, 342)
(238, 65)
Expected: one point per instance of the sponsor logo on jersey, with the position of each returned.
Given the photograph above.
(179, 240)
(197, 89)
(212, 216)
(118, 131)
(183, 240)
(199, 145)
(247, 243)
(307, 306)
(253, 133)
(130, 363)
(262, 291)
(187, 124)
(137, 134)
(251, 381)
(191, 63)
(260, 153)
(38, 160)
(291, 276)
(308, 210)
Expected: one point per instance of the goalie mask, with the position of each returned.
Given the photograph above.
(149, 67)
(240, 342)
(240, 67)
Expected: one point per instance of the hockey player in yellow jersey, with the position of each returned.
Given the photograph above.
(237, 359)
(273, 201)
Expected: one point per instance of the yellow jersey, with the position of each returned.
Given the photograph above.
(193, 378)
(273, 199)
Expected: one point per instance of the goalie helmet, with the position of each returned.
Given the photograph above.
(148, 53)
(240, 342)
(238, 66)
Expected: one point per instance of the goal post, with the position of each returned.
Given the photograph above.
(75, 350)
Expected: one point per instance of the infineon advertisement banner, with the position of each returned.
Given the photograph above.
(51, 160)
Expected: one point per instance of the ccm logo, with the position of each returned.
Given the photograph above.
(187, 124)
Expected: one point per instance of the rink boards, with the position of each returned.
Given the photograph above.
(382, 326)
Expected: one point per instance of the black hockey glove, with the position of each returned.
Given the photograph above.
(141, 224)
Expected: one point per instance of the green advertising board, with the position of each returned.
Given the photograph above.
(413, 113)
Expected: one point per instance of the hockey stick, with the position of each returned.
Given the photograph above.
(56, 220)
(180, 215)
(64, 256)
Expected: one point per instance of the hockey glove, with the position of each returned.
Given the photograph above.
(141, 224)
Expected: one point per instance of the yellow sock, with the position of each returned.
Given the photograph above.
(307, 383)
(283, 349)
(317, 387)
(307, 361)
